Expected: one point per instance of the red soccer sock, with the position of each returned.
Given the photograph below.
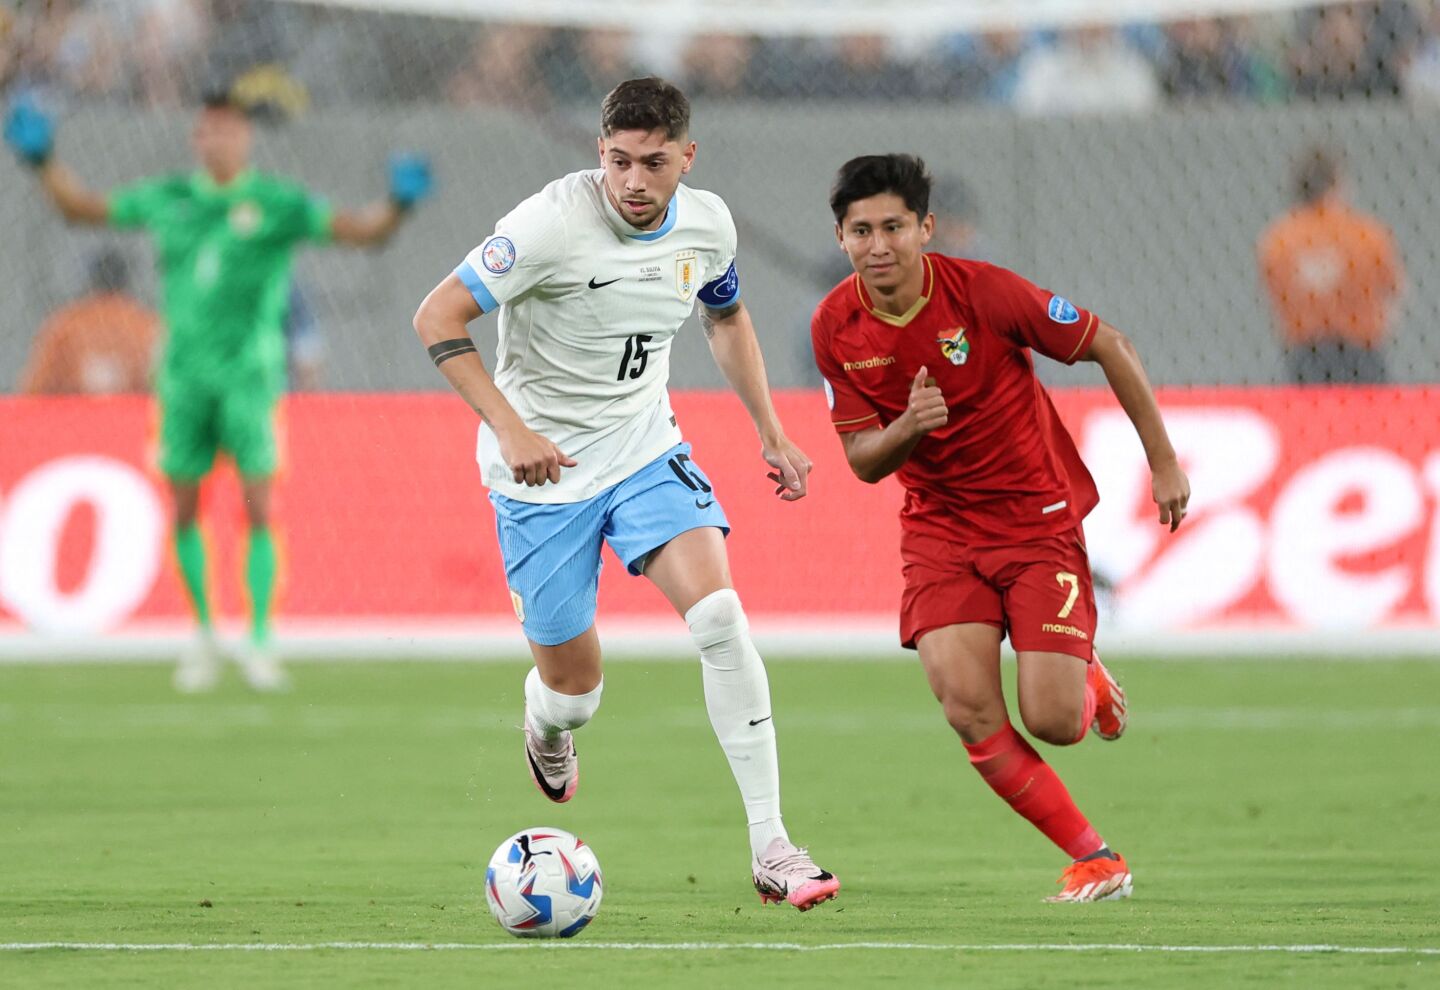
(1024, 781)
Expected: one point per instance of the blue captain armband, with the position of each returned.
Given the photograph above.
(723, 291)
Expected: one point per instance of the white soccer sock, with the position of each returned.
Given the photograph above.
(737, 696)
(551, 712)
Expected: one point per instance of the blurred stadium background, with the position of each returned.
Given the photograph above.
(1127, 154)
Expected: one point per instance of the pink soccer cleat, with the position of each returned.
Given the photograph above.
(553, 764)
(785, 872)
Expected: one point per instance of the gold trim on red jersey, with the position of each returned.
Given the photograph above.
(1086, 335)
(905, 318)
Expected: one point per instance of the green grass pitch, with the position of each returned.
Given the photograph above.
(1277, 803)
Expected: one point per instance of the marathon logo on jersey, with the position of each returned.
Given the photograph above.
(954, 346)
(498, 254)
(1063, 630)
(245, 219)
(686, 264)
(1062, 311)
(871, 362)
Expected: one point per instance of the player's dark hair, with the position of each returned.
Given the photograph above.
(1316, 172)
(871, 175)
(648, 104)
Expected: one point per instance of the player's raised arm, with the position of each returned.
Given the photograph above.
(373, 225)
(737, 351)
(30, 133)
(441, 323)
(878, 453)
(1117, 357)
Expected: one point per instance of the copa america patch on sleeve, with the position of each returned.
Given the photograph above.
(829, 393)
(1061, 311)
(499, 255)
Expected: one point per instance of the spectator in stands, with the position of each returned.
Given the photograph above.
(245, 34)
(102, 343)
(1333, 275)
(82, 50)
(500, 70)
(1420, 79)
(1203, 61)
(167, 44)
(593, 60)
(717, 65)
(863, 67)
(999, 55)
(1089, 70)
(1263, 44)
(784, 68)
(1396, 30)
(9, 48)
(1348, 51)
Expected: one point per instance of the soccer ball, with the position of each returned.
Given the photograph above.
(543, 883)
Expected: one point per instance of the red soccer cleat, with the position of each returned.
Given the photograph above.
(1111, 714)
(1097, 879)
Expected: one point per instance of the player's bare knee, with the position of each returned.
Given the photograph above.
(973, 718)
(579, 682)
(1059, 726)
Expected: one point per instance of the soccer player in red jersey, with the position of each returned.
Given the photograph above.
(928, 372)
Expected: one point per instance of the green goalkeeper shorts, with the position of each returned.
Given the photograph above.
(197, 420)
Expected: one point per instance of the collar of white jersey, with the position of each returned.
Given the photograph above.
(620, 226)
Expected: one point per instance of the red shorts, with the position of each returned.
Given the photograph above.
(1038, 592)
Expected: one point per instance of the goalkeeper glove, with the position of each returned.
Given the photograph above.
(409, 179)
(30, 132)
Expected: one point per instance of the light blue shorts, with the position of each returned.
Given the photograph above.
(552, 552)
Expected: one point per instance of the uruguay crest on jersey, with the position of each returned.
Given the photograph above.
(685, 262)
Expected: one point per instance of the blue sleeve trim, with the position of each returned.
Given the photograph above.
(477, 288)
(723, 291)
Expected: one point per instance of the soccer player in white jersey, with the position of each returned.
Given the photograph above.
(593, 276)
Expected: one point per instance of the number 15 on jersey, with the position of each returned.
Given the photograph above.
(634, 352)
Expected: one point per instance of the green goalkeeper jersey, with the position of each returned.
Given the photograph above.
(224, 254)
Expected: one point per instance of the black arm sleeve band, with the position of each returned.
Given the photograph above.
(447, 349)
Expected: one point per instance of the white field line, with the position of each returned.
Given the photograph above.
(582, 946)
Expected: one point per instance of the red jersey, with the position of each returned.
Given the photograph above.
(1003, 469)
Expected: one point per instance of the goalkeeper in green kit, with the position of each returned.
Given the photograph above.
(225, 236)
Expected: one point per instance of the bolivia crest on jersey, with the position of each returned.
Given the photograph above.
(244, 218)
(954, 346)
(685, 274)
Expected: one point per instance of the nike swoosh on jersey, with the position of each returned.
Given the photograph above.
(701, 504)
(600, 285)
(757, 721)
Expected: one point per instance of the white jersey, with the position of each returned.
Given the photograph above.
(588, 308)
